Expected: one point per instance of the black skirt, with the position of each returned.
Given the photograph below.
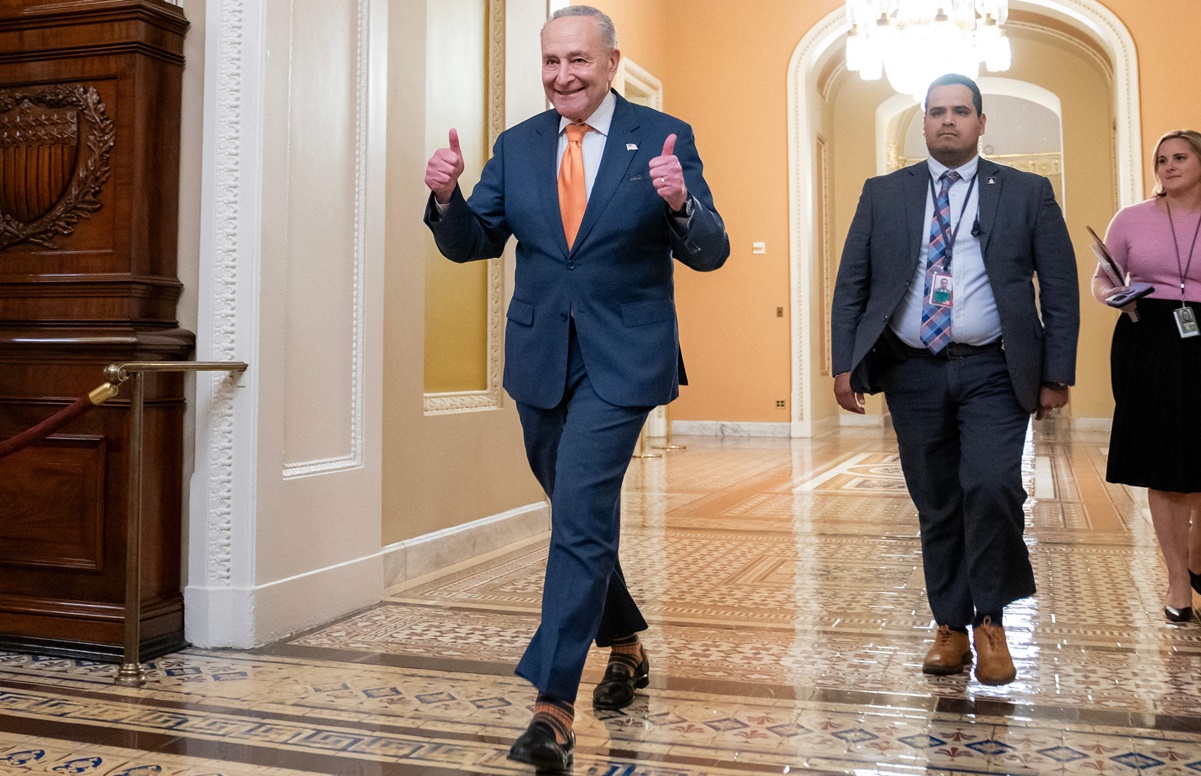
(1156, 376)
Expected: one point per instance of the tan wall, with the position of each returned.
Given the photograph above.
(445, 470)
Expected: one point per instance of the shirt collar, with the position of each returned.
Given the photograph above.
(966, 171)
(600, 119)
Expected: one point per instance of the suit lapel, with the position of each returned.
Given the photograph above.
(989, 182)
(917, 188)
(614, 163)
(546, 176)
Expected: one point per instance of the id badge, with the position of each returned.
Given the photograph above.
(940, 290)
(1186, 322)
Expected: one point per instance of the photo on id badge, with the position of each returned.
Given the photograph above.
(940, 290)
(1186, 322)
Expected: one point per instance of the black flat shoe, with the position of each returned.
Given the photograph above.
(616, 688)
(1195, 580)
(537, 747)
(1178, 615)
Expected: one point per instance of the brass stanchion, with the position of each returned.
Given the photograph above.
(667, 443)
(131, 674)
(640, 451)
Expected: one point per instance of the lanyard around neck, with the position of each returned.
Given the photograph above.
(1180, 265)
(949, 239)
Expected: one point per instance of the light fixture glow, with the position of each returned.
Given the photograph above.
(915, 41)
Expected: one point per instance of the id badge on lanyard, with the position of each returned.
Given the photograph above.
(941, 294)
(940, 290)
(1186, 322)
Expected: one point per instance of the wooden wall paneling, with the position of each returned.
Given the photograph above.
(87, 278)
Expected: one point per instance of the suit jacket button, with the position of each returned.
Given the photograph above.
(562, 316)
(571, 265)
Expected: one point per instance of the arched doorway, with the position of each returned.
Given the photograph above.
(1086, 27)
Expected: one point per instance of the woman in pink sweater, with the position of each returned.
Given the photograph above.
(1155, 361)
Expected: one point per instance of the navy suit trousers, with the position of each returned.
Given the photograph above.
(579, 451)
(961, 432)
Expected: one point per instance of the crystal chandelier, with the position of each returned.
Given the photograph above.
(916, 41)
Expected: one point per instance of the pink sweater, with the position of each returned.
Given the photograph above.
(1140, 241)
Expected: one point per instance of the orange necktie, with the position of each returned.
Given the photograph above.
(573, 191)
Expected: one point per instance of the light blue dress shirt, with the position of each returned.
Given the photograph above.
(974, 317)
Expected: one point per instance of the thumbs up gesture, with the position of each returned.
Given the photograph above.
(668, 176)
(444, 168)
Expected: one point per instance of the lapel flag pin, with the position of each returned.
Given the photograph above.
(631, 147)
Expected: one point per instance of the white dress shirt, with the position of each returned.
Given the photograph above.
(594, 141)
(974, 317)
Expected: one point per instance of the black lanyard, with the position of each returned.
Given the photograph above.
(949, 239)
(1180, 265)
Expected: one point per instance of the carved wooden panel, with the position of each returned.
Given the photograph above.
(55, 145)
(60, 532)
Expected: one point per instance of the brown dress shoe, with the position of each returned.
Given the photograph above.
(994, 665)
(950, 653)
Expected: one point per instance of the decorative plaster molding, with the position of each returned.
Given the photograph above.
(353, 459)
(639, 85)
(226, 202)
(490, 398)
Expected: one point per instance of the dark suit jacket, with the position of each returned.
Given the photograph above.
(617, 281)
(1023, 235)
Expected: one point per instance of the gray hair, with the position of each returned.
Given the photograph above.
(603, 22)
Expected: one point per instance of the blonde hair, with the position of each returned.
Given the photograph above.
(1190, 136)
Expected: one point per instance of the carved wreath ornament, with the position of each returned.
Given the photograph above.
(49, 180)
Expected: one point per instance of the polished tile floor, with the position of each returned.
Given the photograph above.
(783, 584)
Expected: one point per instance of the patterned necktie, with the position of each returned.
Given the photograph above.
(573, 190)
(936, 319)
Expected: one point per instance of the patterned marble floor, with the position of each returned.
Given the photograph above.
(783, 585)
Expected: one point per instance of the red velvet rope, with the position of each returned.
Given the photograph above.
(46, 427)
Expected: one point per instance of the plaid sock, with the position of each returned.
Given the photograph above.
(627, 653)
(556, 713)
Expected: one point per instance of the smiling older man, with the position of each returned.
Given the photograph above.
(601, 194)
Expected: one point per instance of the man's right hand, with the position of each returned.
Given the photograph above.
(847, 398)
(443, 170)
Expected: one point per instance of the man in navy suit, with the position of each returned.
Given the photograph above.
(936, 305)
(591, 344)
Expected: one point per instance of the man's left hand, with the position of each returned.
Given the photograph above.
(1050, 397)
(668, 176)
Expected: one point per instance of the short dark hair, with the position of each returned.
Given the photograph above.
(951, 79)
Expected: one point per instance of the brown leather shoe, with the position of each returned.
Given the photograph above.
(994, 665)
(950, 653)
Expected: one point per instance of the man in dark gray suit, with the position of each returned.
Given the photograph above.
(935, 305)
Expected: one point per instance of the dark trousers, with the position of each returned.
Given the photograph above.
(579, 451)
(961, 431)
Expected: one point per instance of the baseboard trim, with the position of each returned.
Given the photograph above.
(868, 421)
(431, 552)
(247, 617)
(806, 429)
(1092, 424)
(721, 428)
